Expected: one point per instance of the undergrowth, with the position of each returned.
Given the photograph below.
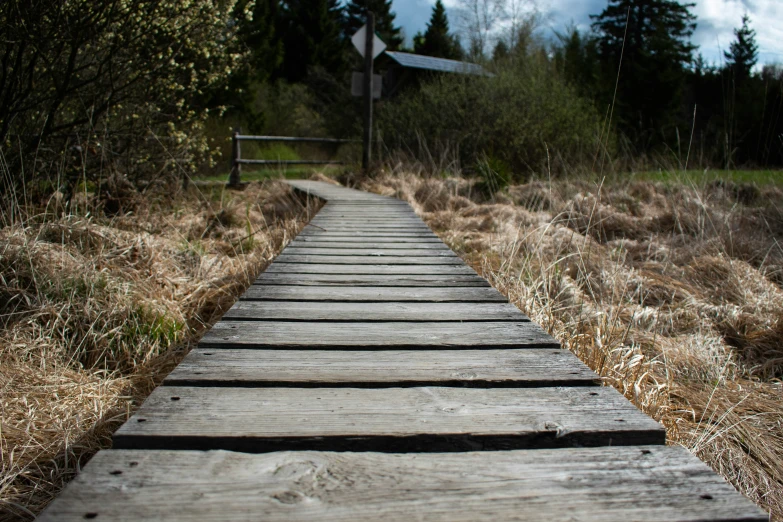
(95, 309)
(672, 293)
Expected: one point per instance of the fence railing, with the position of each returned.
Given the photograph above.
(235, 178)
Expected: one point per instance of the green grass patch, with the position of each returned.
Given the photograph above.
(251, 173)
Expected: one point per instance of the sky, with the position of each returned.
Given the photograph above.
(716, 21)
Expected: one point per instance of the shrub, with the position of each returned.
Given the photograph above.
(524, 116)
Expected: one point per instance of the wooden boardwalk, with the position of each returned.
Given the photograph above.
(370, 374)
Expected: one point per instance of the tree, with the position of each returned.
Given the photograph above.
(743, 52)
(646, 42)
(356, 17)
(479, 21)
(575, 58)
(437, 41)
(312, 38)
(110, 68)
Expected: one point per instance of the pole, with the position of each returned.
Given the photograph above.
(234, 178)
(368, 72)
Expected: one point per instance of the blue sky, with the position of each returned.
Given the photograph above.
(716, 21)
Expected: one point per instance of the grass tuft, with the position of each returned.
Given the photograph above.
(671, 292)
(97, 307)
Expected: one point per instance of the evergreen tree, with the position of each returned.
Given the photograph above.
(312, 38)
(743, 52)
(437, 41)
(655, 49)
(576, 59)
(356, 17)
(501, 51)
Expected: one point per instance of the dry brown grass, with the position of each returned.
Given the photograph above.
(672, 293)
(94, 311)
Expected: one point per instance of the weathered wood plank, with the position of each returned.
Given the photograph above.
(373, 294)
(412, 335)
(367, 260)
(341, 238)
(377, 252)
(313, 230)
(383, 368)
(377, 269)
(389, 419)
(643, 484)
(369, 280)
(353, 312)
(385, 245)
(384, 225)
(368, 220)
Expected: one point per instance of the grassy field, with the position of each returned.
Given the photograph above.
(672, 292)
(670, 289)
(703, 177)
(96, 309)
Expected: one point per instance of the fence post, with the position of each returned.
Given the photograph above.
(234, 178)
(367, 91)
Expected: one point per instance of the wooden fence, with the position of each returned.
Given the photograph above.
(235, 178)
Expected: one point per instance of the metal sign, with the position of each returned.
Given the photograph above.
(358, 41)
(357, 86)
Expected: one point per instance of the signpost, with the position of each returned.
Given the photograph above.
(369, 48)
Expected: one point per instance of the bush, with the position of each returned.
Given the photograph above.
(88, 84)
(524, 116)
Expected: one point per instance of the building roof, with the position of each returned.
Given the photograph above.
(417, 61)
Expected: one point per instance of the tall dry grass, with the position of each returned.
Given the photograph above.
(95, 310)
(672, 293)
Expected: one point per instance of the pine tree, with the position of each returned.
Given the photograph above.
(743, 52)
(356, 17)
(312, 38)
(437, 41)
(655, 49)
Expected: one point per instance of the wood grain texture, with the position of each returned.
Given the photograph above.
(312, 230)
(376, 252)
(389, 419)
(376, 269)
(336, 238)
(644, 484)
(390, 312)
(305, 335)
(367, 260)
(372, 227)
(373, 294)
(388, 245)
(370, 280)
(383, 368)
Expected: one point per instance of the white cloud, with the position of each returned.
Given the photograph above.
(716, 20)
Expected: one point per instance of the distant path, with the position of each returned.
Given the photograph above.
(369, 374)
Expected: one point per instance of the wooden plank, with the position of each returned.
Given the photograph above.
(369, 280)
(376, 252)
(367, 260)
(305, 268)
(371, 294)
(423, 419)
(385, 245)
(352, 312)
(383, 368)
(434, 241)
(369, 219)
(313, 230)
(644, 484)
(385, 225)
(373, 336)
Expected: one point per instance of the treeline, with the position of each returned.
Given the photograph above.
(640, 67)
(149, 88)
